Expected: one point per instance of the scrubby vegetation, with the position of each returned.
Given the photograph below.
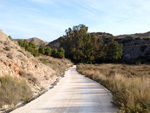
(82, 46)
(59, 65)
(44, 50)
(31, 47)
(13, 90)
(10, 37)
(29, 76)
(130, 85)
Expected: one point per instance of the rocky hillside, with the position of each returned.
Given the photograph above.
(103, 34)
(38, 72)
(36, 40)
(136, 35)
(135, 46)
(55, 44)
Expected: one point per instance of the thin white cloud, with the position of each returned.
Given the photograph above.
(55, 23)
(43, 1)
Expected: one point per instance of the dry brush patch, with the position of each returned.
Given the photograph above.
(130, 92)
(59, 65)
(29, 76)
(13, 91)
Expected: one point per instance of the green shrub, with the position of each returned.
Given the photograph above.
(55, 53)
(62, 50)
(10, 37)
(31, 47)
(43, 60)
(48, 51)
(61, 55)
(42, 49)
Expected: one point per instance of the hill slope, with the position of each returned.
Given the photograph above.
(18, 63)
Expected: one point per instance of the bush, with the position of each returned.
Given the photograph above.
(58, 53)
(48, 51)
(42, 49)
(29, 76)
(10, 37)
(55, 53)
(61, 55)
(31, 47)
(10, 55)
(62, 50)
(43, 60)
(7, 48)
(13, 90)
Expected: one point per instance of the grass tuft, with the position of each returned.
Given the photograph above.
(13, 90)
(29, 76)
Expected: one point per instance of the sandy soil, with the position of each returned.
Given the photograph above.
(73, 94)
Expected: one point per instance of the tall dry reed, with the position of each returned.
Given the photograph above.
(130, 94)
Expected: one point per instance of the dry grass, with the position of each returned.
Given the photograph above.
(123, 69)
(29, 76)
(13, 90)
(59, 65)
(130, 92)
(10, 55)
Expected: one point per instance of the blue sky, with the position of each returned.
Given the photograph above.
(48, 19)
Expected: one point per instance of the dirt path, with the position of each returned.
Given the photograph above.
(73, 94)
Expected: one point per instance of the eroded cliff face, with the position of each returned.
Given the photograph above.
(135, 48)
(15, 61)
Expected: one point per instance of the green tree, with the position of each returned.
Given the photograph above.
(32, 45)
(48, 51)
(36, 53)
(42, 49)
(20, 42)
(61, 55)
(55, 53)
(81, 46)
(10, 37)
(23, 43)
(62, 50)
(113, 50)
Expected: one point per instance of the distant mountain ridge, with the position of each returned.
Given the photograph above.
(36, 40)
(136, 35)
